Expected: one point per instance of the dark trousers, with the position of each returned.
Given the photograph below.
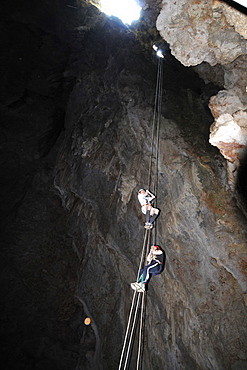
(150, 218)
(153, 268)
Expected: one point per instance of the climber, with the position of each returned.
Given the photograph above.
(145, 198)
(155, 264)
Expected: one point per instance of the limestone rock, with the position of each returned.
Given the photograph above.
(229, 131)
(229, 134)
(226, 101)
(214, 33)
(202, 31)
(236, 19)
(210, 73)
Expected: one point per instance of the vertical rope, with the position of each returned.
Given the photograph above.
(144, 249)
(127, 330)
(131, 335)
(154, 121)
(146, 243)
(159, 105)
(141, 332)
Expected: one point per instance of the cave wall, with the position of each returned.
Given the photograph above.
(75, 151)
(40, 318)
(192, 312)
(212, 36)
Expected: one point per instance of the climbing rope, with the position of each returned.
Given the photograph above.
(141, 331)
(159, 105)
(135, 305)
(156, 122)
(131, 326)
(154, 167)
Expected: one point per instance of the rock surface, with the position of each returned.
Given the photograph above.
(214, 33)
(207, 28)
(77, 122)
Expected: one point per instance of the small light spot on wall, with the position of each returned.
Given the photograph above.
(87, 321)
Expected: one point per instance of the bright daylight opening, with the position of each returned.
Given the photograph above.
(126, 10)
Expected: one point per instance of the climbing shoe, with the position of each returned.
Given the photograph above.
(134, 286)
(148, 225)
(139, 287)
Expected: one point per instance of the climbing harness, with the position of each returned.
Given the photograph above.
(138, 305)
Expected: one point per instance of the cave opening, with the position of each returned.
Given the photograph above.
(126, 10)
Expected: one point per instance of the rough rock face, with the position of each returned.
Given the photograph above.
(214, 32)
(229, 134)
(203, 31)
(76, 149)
